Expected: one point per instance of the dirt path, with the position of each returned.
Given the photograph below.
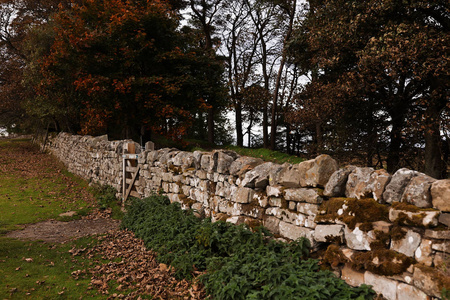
(53, 231)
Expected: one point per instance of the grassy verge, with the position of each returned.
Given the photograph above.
(267, 155)
(239, 263)
(35, 187)
(36, 270)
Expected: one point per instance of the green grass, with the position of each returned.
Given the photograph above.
(267, 155)
(36, 270)
(35, 187)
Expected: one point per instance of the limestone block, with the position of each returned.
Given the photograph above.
(253, 211)
(409, 292)
(205, 162)
(426, 282)
(225, 206)
(407, 245)
(440, 194)
(168, 177)
(417, 192)
(324, 232)
(422, 217)
(424, 252)
(274, 174)
(276, 202)
(186, 190)
(294, 232)
(395, 188)
(272, 223)
(165, 187)
(352, 277)
(335, 186)
(357, 239)
(357, 183)
(442, 246)
(201, 174)
(437, 234)
(261, 198)
(444, 218)
(258, 177)
(292, 205)
(290, 176)
(223, 160)
(275, 191)
(308, 209)
(382, 285)
(243, 195)
(244, 163)
(319, 172)
(378, 181)
(303, 195)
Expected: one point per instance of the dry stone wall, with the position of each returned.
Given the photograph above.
(388, 231)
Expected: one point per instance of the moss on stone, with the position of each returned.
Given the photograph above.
(397, 233)
(356, 211)
(441, 278)
(334, 256)
(382, 262)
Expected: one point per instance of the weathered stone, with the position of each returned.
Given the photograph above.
(444, 218)
(352, 277)
(441, 246)
(323, 233)
(243, 195)
(437, 234)
(261, 199)
(290, 175)
(222, 160)
(423, 253)
(440, 194)
(292, 205)
(357, 183)
(276, 202)
(420, 218)
(357, 239)
(335, 186)
(244, 162)
(417, 192)
(272, 223)
(395, 188)
(382, 285)
(409, 292)
(274, 174)
(319, 172)
(308, 208)
(426, 282)
(378, 181)
(205, 162)
(258, 177)
(407, 245)
(294, 232)
(303, 195)
(275, 191)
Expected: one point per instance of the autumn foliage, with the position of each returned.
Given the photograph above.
(127, 65)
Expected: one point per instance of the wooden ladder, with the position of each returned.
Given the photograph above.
(130, 173)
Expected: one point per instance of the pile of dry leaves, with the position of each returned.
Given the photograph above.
(134, 269)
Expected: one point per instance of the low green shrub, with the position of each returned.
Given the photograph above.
(106, 198)
(240, 264)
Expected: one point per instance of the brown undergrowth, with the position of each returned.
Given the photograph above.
(124, 264)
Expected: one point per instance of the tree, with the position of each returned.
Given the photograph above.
(388, 58)
(132, 71)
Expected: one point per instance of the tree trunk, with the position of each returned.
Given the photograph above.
(434, 165)
(239, 135)
(265, 129)
(211, 125)
(393, 158)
